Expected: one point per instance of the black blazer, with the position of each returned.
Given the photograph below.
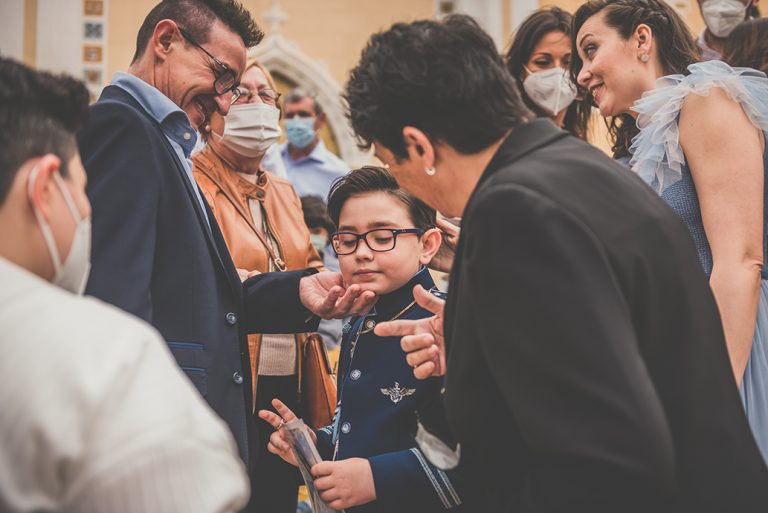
(587, 368)
(154, 256)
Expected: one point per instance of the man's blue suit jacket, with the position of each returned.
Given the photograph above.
(154, 256)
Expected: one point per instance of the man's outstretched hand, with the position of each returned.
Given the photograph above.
(325, 295)
(422, 339)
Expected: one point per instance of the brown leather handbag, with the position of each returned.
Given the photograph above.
(318, 383)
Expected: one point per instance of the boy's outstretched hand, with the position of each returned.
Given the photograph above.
(278, 444)
(423, 338)
(345, 483)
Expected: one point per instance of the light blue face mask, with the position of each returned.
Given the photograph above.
(300, 131)
(319, 241)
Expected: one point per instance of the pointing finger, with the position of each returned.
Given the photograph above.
(398, 328)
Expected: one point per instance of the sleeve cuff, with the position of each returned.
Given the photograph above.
(408, 474)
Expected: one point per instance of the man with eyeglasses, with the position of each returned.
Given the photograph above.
(158, 252)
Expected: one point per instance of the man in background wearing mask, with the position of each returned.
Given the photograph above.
(721, 17)
(309, 165)
(96, 414)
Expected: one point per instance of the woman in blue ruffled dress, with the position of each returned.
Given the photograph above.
(696, 132)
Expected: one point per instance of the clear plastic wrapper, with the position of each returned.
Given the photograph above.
(307, 456)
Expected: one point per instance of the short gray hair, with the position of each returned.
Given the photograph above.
(298, 94)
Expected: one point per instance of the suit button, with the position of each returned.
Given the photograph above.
(231, 318)
(260, 194)
(237, 378)
(355, 374)
(370, 324)
(346, 428)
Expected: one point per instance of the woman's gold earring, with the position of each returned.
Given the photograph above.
(430, 171)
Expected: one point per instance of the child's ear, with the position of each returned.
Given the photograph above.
(430, 243)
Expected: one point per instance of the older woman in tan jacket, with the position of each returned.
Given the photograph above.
(262, 222)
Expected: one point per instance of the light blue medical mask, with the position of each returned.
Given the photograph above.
(319, 241)
(300, 131)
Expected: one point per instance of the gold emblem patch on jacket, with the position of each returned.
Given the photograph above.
(396, 393)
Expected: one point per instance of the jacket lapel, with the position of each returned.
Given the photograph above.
(205, 218)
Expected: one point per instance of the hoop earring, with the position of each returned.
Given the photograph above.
(645, 57)
(430, 171)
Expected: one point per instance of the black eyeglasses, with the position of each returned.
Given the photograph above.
(225, 80)
(380, 239)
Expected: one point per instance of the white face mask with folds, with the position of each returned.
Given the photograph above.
(551, 89)
(72, 274)
(250, 129)
(722, 16)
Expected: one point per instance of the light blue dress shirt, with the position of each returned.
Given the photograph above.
(314, 174)
(173, 122)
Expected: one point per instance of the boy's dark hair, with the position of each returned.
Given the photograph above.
(316, 214)
(39, 113)
(377, 179)
(197, 18)
(445, 78)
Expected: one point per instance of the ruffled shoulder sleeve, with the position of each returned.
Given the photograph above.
(656, 153)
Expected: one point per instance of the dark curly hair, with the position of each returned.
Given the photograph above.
(39, 113)
(445, 78)
(197, 17)
(540, 23)
(676, 47)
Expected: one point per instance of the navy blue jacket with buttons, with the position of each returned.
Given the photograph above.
(376, 413)
(158, 254)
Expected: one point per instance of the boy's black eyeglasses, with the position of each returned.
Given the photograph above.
(380, 239)
(225, 80)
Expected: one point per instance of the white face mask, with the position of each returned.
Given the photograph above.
(551, 89)
(72, 275)
(250, 129)
(722, 16)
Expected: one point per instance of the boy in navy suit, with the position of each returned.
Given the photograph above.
(385, 239)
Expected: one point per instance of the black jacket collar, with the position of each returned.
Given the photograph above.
(522, 140)
(392, 303)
